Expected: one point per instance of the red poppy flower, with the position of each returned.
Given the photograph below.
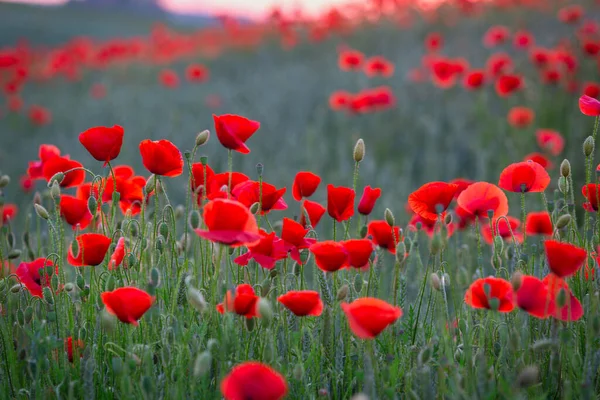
(58, 164)
(474, 79)
(368, 316)
(461, 184)
(75, 211)
(359, 252)
(294, 236)
(29, 275)
(564, 259)
(266, 252)
(340, 202)
(572, 310)
(129, 187)
(591, 89)
(591, 48)
(523, 40)
(233, 131)
(244, 302)
(198, 172)
(253, 380)
(589, 106)
(525, 176)
(429, 226)
(26, 183)
(8, 212)
(591, 191)
(539, 56)
(503, 229)
(250, 192)
(481, 197)
(168, 78)
(550, 140)
(196, 73)
(496, 36)
(330, 256)
(508, 84)
(314, 210)
(368, 199)
(305, 184)
(384, 236)
(302, 303)
(103, 143)
(499, 64)
(379, 66)
(117, 256)
(432, 199)
(217, 184)
(229, 222)
(540, 159)
(39, 115)
(520, 117)
(128, 304)
(538, 223)
(570, 14)
(533, 297)
(45, 153)
(92, 249)
(161, 157)
(484, 291)
(444, 73)
(70, 349)
(340, 100)
(550, 76)
(350, 60)
(434, 41)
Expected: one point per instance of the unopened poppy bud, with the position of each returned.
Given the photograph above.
(150, 184)
(250, 324)
(265, 288)
(16, 288)
(28, 314)
(359, 150)
(202, 364)
(342, 293)
(563, 185)
(179, 211)
(255, 207)
(298, 371)
(400, 252)
(588, 146)
(37, 198)
(54, 283)
(55, 191)
(80, 281)
(389, 217)
(434, 279)
(47, 293)
(69, 287)
(92, 205)
(269, 352)
(154, 277)
(516, 279)
(260, 169)
(14, 253)
(265, 311)
(108, 321)
(41, 211)
(529, 376)
(163, 229)
(563, 221)
(20, 317)
(273, 273)
(57, 177)
(436, 244)
(202, 137)
(194, 219)
(448, 219)
(565, 168)
(358, 283)
(4, 181)
(498, 244)
(363, 232)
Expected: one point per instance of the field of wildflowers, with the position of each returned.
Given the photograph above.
(383, 202)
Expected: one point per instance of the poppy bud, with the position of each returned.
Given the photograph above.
(490, 214)
(561, 298)
(92, 205)
(266, 287)
(424, 356)
(54, 283)
(204, 160)
(260, 169)
(163, 229)
(202, 137)
(400, 252)
(154, 277)
(529, 376)
(273, 273)
(359, 150)
(265, 311)
(28, 314)
(57, 177)
(15, 253)
(498, 244)
(565, 168)
(298, 371)
(20, 317)
(563, 185)
(150, 184)
(194, 219)
(448, 219)
(47, 293)
(69, 287)
(363, 232)
(203, 363)
(269, 352)
(358, 283)
(41, 211)
(4, 181)
(563, 221)
(255, 208)
(16, 288)
(436, 244)
(179, 211)
(80, 281)
(389, 217)
(37, 198)
(342, 293)
(110, 284)
(250, 324)
(434, 279)
(588, 146)
(515, 280)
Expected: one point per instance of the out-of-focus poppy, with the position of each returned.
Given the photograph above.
(506, 230)
(26, 183)
(499, 64)
(39, 115)
(244, 302)
(491, 293)
(520, 117)
(91, 249)
(313, 210)
(591, 193)
(550, 141)
(432, 199)
(508, 84)
(98, 91)
(340, 100)
(161, 157)
(253, 380)
(591, 89)
(8, 212)
(570, 14)
(103, 143)
(128, 304)
(384, 236)
(368, 200)
(474, 79)
(540, 159)
(523, 177)
(29, 275)
(73, 347)
(117, 256)
(229, 222)
(305, 184)
(196, 73)
(45, 153)
(294, 236)
(368, 316)
(340, 202)
(379, 66)
(302, 303)
(233, 131)
(266, 252)
(572, 309)
(434, 42)
(168, 78)
(564, 259)
(496, 35)
(538, 223)
(523, 39)
(330, 256)
(350, 60)
(481, 197)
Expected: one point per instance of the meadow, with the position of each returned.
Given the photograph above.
(383, 202)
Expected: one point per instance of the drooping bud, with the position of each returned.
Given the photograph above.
(57, 177)
(47, 293)
(565, 168)
(359, 150)
(265, 311)
(41, 211)
(401, 252)
(4, 181)
(150, 184)
(254, 208)
(342, 293)
(588, 146)
(194, 219)
(37, 198)
(561, 298)
(448, 219)
(358, 283)
(389, 217)
(498, 244)
(563, 221)
(92, 205)
(434, 279)
(363, 232)
(202, 137)
(516, 279)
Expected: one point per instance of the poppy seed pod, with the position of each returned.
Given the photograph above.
(41, 211)
(4, 181)
(389, 217)
(588, 146)
(359, 150)
(563, 221)
(202, 137)
(565, 168)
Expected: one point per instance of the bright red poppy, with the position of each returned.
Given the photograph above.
(218, 183)
(62, 164)
(129, 187)
(73, 347)
(564, 259)
(340, 100)
(229, 222)
(508, 84)
(520, 117)
(8, 212)
(302, 303)
(359, 252)
(461, 184)
(253, 380)
(533, 297)
(117, 256)
(384, 236)
(350, 60)
(481, 197)
(196, 73)
(340, 202)
(379, 66)
(589, 106)
(523, 177)
(103, 143)
(75, 211)
(506, 230)
(92, 247)
(499, 64)
(443, 72)
(305, 184)
(368, 316)
(572, 310)
(294, 236)
(269, 197)
(128, 304)
(198, 173)
(474, 79)
(523, 39)
(313, 210)
(432, 199)
(538, 223)
(244, 302)
(591, 193)
(368, 200)
(591, 89)
(161, 157)
(233, 131)
(540, 159)
(29, 275)
(266, 252)
(45, 153)
(550, 141)
(491, 293)
(330, 256)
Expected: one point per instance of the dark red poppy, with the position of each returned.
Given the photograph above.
(73, 347)
(229, 222)
(525, 176)
(591, 193)
(313, 210)
(305, 184)
(540, 159)
(161, 157)
(570, 14)
(266, 252)
(75, 211)
(103, 143)
(168, 78)
(564, 259)
(550, 141)
(302, 303)
(434, 42)
(270, 198)
(432, 199)
(340, 202)
(253, 380)
(196, 73)
(58, 164)
(538, 223)
(506, 230)
(368, 199)
(330, 256)
(350, 60)
(244, 302)
(483, 293)
(379, 66)
(496, 35)
(340, 100)
(359, 252)
(294, 236)
(8, 212)
(533, 297)
(572, 310)
(523, 39)
(589, 106)
(117, 256)
(29, 275)
(92, 247)
(591, 89)
(128, 304)
(384, 236)
(508, 84)
(368, 316)
(233, 131)
(39, 115)
(481, 197)
(520, 117)
(474, 79)
(590, 47)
